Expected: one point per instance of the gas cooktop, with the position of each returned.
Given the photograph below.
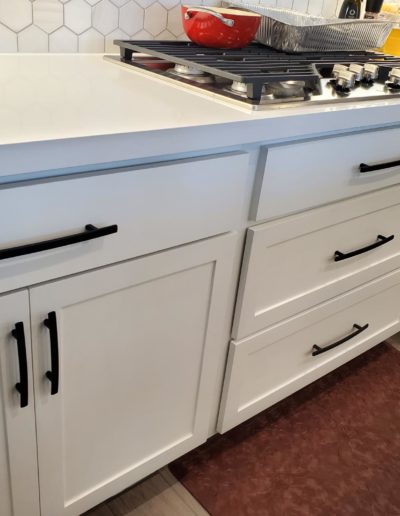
(260, 77)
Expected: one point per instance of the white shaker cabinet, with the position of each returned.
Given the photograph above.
(19, 492)
(140, 346)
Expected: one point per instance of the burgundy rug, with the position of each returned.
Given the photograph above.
(332, 449)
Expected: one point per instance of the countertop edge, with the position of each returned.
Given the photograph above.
(121, 149)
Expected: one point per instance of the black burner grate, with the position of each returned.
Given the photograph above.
(254, 65)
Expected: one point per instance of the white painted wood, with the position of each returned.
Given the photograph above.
(273, 364)
(140, 346)
(155, 207)
(301, 175)
(289, 264)
(19, 490)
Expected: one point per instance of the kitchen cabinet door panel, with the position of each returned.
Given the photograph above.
(138, 351)
(19, 490)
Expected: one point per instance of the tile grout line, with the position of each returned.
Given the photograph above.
(179, 489)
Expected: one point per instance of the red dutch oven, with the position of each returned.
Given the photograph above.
(217, 27)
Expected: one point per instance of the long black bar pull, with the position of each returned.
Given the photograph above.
(380, 166)
(22, 386)
(90, 233)
(317, 350)
(380, 240)
(54, 374)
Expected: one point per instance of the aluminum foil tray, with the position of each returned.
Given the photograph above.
(292, 31)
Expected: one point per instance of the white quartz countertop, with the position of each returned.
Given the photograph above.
(70, 110)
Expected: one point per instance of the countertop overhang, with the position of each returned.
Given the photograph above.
(75, 111)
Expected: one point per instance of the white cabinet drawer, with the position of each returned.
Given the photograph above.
(302, 175)
(155, 207)
(290, 264)
(266, 368)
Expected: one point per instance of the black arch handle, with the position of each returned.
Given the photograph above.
(380, 166)
(54, 374)
(22, 386)
(317, 350)
(381, 240)
(91, 232)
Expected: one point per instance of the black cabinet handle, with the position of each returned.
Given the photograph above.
(89, 233)
(359, 329)
(380, 166)
(381, 240)
(22, 386)
(54, 374)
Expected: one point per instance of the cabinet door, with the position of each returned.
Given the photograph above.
(140, 346)
(19, 490)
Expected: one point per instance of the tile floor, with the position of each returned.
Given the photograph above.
(158, 495)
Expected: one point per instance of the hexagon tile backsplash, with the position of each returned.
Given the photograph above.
(92, 25)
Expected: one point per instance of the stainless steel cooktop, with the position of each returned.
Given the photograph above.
(259, 77)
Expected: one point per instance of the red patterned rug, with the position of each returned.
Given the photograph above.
(332, 449)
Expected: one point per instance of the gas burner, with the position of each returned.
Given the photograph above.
(258, 76)
(272, 92)
(187, 70)
(238, 87)
(287, 90)
(241, 89)
(191, 73)
(275, 90)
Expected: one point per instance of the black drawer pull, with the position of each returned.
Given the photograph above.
(54, 374)
(381, 240)
(359, 329)
(22, 386)
(371, 168)
(89, 233)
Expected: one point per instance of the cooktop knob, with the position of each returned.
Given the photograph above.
(394, 78)
(371, 72)
(358, 71)
(338, 68)
(345, 81)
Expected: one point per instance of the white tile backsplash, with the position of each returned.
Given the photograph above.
(109, 40)
(63, 40)
(131, 17)
(300, 5)
(91, 41)
(77, 15)
(48, 15)
(174, 24)
(8, 39)
(16, 14)
(155, 19)
(33, 39)
(92, 25)
(105, 17)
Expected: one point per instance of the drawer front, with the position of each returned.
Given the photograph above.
(299, 176)
(154, 207)
(266, 368)
(291, 265)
